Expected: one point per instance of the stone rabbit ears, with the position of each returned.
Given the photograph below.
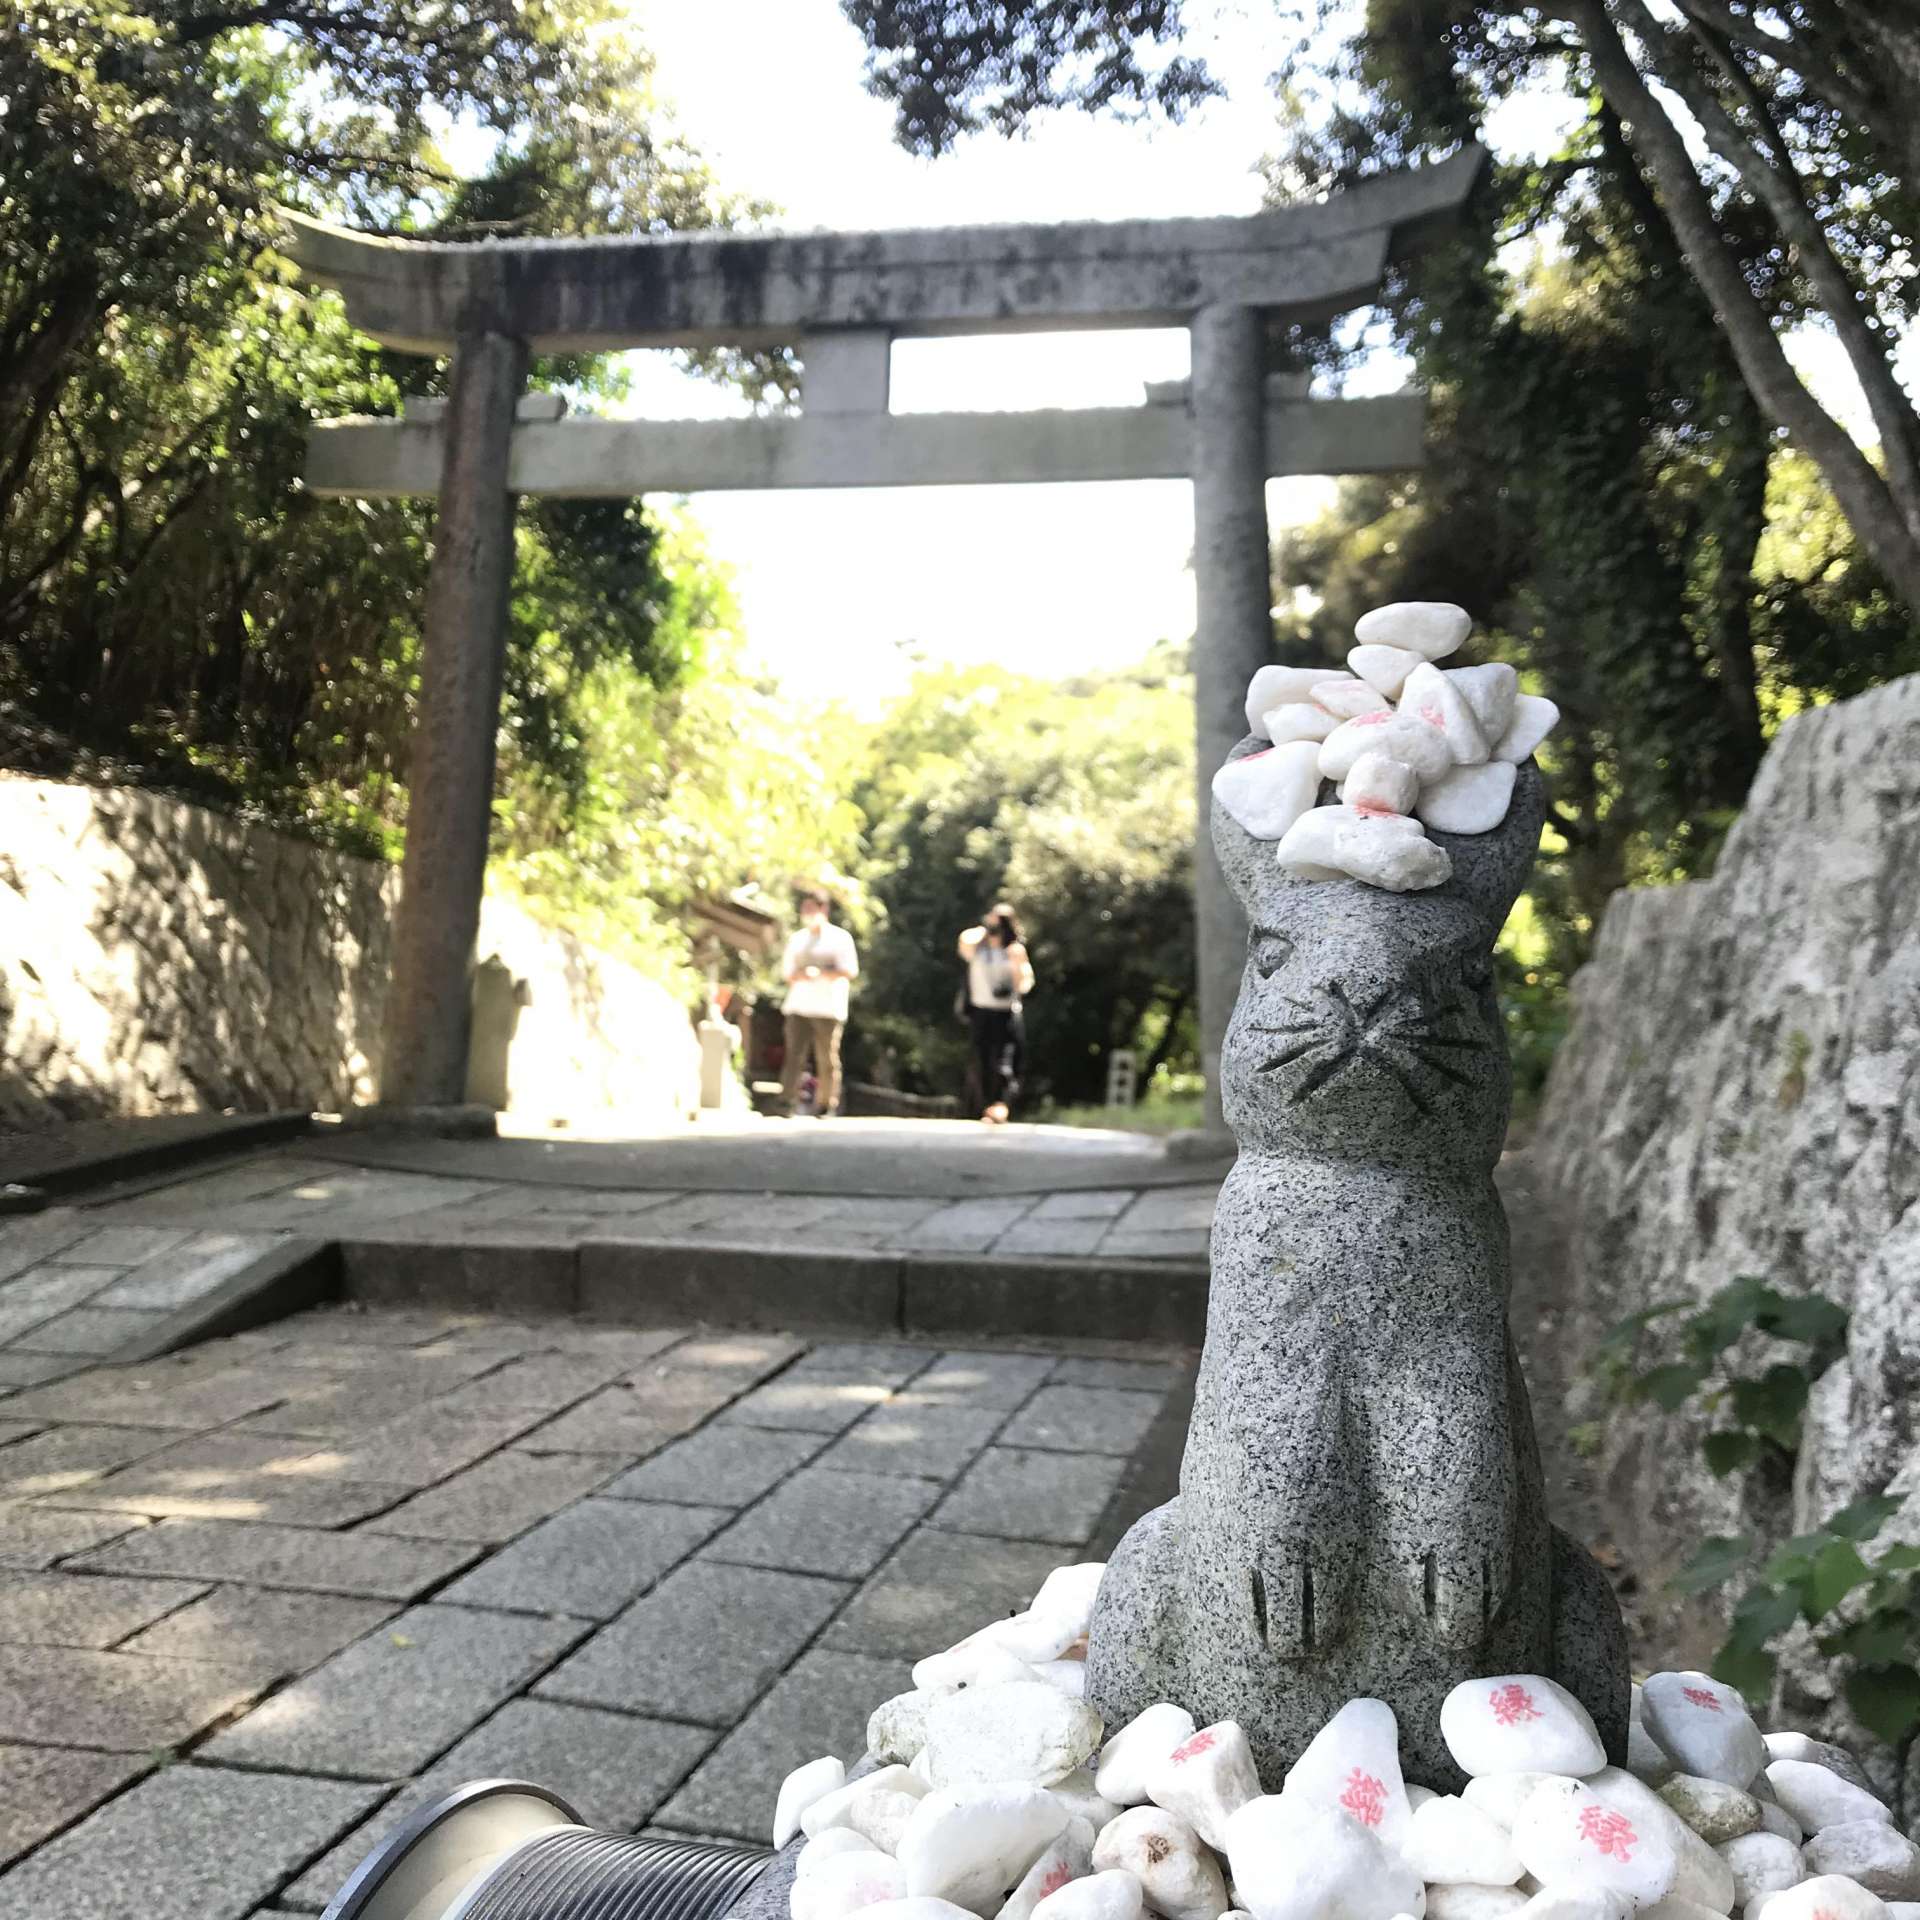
(1489, 869)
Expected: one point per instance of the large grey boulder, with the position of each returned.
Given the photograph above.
(1360, 1509)
(1740, 1094)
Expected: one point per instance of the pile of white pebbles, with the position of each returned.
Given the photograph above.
(1405, 744)
(995, 1793)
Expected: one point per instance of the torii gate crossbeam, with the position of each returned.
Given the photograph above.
(841, 299)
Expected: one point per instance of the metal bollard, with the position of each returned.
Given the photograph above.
(505, 1850)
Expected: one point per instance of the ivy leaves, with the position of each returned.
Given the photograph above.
(1861, 1604)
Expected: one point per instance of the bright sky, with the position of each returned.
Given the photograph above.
(1052, 579)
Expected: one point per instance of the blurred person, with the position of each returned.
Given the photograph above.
(818, 965)
(999, 978)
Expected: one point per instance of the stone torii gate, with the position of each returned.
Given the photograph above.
(841, 299)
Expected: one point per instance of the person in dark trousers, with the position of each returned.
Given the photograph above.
(818, 965)
(999, 978)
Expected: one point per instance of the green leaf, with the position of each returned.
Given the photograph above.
(1810, 1318)
(1874, 1641)
(1731, 1449)
(1729, 1314)
(1886, 1699)
(1719, 1559)
(1793, 1559)
(1899, 1559)
(1864, 1518)
(1747, 1668)
(1672, 1386)
(1837, 1570)
(1619, 1338)
(1773, 1403)
(1764, 1611)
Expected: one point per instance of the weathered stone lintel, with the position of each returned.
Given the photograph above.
(694, 290)
(586, 459)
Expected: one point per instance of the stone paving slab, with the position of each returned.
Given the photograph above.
(702, 1646)
(174, 1393)
(589, 1560)
(932, 1443)
(1004, 1380)
(63, 1458)
(614, 1770)
(187, 1843)
(276, 1632)
(820, 1705)
(937, 1588)
(421, 1447)
(451, 1666)
(85, 1610)
(718, 1466)
(1083, 1420)
(497, 1497)
(68, 1696)
(840, 1524)
(43, 1789)
(32, 1369)
(263, 1555)
(1019, 1494)
(91, 1330)
(35, 1537)
(1142, 1376)
(173, 1276)
(825, 1405)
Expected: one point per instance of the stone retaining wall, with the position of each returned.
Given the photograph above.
(1740, 1094)
(157, 956)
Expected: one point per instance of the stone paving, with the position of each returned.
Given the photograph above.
(262, 1598)
(286, 1191)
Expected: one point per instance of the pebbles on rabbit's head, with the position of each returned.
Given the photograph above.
(1022, 1801)
(1407, 745)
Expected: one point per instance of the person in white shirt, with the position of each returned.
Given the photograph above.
(818, 965)
(999, 978)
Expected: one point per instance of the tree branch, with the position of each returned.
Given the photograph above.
(1860, 490)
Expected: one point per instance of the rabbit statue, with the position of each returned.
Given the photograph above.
(1361, 1510)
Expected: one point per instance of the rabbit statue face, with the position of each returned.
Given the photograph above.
(1367, 1027)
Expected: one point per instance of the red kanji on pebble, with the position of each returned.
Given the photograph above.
(1199, 1744)
(1432, 715)
(1513, 1704)
(1057, 1877)
(1377, 718)
(1365, 1798)
(1610, 1832)
(1702, 1698)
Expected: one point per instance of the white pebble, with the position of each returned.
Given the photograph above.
(1418, 1796)
(1533, 719)
(1181, 1879)
(1468, 799)
(1113, 1895)
(1084, 1801)
(1032, 1636)
(1565, 1831)
(1126, 1759)
(1069, 1676)
(1348, 699)
(1774, 1818)
(1383, 849)
(1703, 1725)
(1206, 1779)
(1498, 1795)
(1352, 1766)
(1519, 1723)
(1646, 1757)
(1070, 1592)
(1295, 1860)
(973, 1663)
(1430, 696)
(1817, 1797)
(1675, 1908)
(1828, 1897)
(1761, 1863)
(1714, 1810)
(1880, 1857)
(1471, 1900)
(846, 1885)
(920, 1907)
(1025, 1731)
(1066, 1859)
(825, 1846)
(1297, 720)
(832, 1809)
(800, 1790)
(1267, 792)
(1450, 1842)
(1431, 628)
(1400, 736)
(1491, 692)
(882, 1816)
(1378, 784)
(970, 1844)
(1384, 669)
(1576, 1900)
(1701, 1875)
(1819, 1753)
(897, 1728)
(1280, 686)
